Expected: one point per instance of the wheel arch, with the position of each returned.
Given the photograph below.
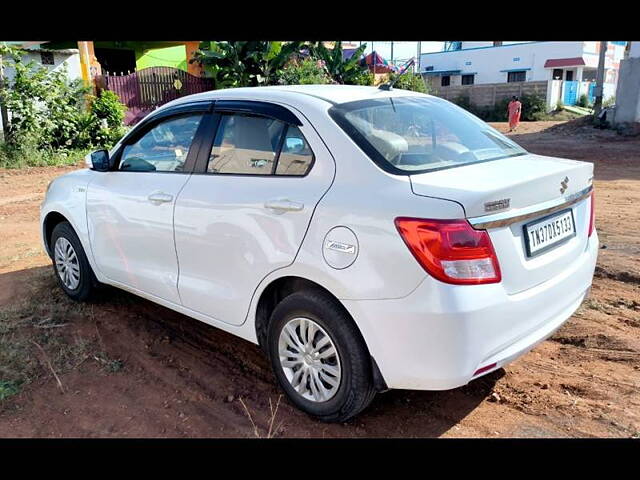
(281, 287)
(50, 221)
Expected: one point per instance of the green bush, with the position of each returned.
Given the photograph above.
(410, 81)
(304, 72)
(52, 118)
(609, 101)
(104, 121)
(583, 101)
(363, 77)
(534, 107)
(560, 106)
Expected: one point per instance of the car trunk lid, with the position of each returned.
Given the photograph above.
(507, 188)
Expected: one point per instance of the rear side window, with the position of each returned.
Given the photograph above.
(246, 145)
(296, 156)
(256, 145)
(163, 148)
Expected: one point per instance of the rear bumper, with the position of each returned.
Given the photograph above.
(440, 334)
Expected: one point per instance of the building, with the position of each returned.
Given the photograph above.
(41, 56)
(627, 109)
(568, 68)
(122, 57)
(52, 59)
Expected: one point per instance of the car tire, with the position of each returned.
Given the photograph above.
(343, 382)
(70, 264)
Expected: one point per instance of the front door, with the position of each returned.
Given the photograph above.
(130, 209)
(247, 212)
(570, 93)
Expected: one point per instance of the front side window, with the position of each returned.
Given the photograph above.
(406, 135)
(163, 148)
(245, 144)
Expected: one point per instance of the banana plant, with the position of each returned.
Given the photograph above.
(342, 71)
(246, 63)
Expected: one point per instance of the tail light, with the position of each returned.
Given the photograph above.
(451, 250)
(592, 214)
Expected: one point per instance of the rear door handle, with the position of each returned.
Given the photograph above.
(160, 197)
(284, 205)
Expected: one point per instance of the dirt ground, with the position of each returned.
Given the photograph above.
(125, 367)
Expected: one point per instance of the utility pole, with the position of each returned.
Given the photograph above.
(374, 62)
(4, 118)
(597, 106)
(419, 59)
(391, 51)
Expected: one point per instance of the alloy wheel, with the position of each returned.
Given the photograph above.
(309, 359)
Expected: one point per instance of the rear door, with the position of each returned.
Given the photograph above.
(130, 209)
(245, 212)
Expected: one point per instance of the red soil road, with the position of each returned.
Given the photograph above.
(182, 378)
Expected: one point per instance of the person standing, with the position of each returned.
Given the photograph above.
(514, 110)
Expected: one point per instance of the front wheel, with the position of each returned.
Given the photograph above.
(319, 357)
(70, 263)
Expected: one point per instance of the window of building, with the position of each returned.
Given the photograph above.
(46, 58)
(519, 76)
(497, 44)
(569, 76)
(557, 74)
(467, 79)
(445, 81)
(164, 148)
(428, 68)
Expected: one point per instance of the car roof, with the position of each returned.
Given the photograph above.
(298, 94)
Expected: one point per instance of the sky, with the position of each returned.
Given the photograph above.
(401, 50)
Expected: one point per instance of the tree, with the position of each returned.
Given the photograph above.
(246, 64)
(342, 71)
(409, 81)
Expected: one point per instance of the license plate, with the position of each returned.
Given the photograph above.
(548, 232)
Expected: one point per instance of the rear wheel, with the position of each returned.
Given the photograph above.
(70, 263)
(319, 357)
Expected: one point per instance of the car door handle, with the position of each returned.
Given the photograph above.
(160, 197)
(284, 205)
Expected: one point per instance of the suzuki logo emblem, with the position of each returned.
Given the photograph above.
(564, 184)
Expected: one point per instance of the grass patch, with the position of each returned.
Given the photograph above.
(562, 115)
(27, 155)
(37, 338)
(579, 111)
(8, 388)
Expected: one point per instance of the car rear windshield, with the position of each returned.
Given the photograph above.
(416, 134)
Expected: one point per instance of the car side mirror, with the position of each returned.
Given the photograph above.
(99, 160)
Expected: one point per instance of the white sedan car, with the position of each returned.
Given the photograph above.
(366, 239)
